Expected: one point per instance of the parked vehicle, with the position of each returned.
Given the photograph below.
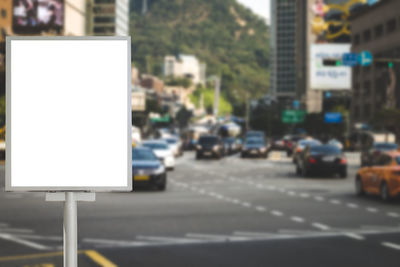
(381, 177)
(163, 152)
(255, 134)
(318, 159)
(175, 144)
(209, 146)
(147, 170)
(367, 155)
(254, 147)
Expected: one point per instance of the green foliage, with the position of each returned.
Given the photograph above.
(225, 108)
(184, 82)
(229, 38)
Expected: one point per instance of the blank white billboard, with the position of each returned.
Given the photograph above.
(68, 114)
(329, 77)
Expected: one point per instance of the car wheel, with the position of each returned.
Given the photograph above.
(359, 187)
(242, 155)
(304, 172)
(384, 192)
(343, 174)
(162, 187)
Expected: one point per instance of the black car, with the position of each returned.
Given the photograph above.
(254, 147)
(147, 170)
(327, 159)
(368, 155)
(209, 146)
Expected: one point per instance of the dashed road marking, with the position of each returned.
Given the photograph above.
(335, 201)
(261, 208)
(354, 236)
(321, 226)
(352, 205)
(373, 210)
(277, 213)
(297, 219)
(319, 198)
(393, 214)
(391, 245)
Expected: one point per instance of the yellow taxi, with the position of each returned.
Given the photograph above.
(381, 177)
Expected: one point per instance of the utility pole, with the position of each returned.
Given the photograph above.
(217, 90)
(144, 7)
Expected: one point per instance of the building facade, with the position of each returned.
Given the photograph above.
(185, 66)
(110, 17)
(376, 29)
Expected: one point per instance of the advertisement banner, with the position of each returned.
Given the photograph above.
(36, 16)
(329, 77)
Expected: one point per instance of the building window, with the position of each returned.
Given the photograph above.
(356, 39)
(104, 20)
(367, 35)
(3, 13)
(367, 110)
(103, 30)
(378, 30)
(391, 25)
(104, 1)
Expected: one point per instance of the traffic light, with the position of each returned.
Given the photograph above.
(390, 65)
(331, 62)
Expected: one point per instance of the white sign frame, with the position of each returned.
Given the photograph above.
(115, 183)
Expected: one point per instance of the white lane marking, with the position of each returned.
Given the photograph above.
(282, 190)
(24, 242)
(271, 187)
(39, 237)
(304, 195)
(354, 236)
(216, 237)
(297, 219)
(291, 193)
(16, 230)
(236, 201)
(352, 205)
(246, 204)
(261, 209)
(166, 239)
(373, 210)
(260, 186)
(254, 234)
(277, 213)
(321, 226)
(319, 198)
(114, 243)
(391, 245)
(393, 214)
(335, 201)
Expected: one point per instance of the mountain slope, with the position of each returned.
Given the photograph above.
(228, 37)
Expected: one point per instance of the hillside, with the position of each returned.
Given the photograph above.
(228, 37)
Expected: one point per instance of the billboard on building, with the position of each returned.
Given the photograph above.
(329, 77)
(36, 16)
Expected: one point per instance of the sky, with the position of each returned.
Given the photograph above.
(260, 7)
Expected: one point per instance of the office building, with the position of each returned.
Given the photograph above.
(110, 17)
(376, 29)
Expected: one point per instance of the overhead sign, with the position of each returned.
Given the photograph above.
(293, 116)
(68, 114)
(333, 117)
(365, 58)
(329, 77)
(350, 59)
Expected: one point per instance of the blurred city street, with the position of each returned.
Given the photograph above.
(229, 212)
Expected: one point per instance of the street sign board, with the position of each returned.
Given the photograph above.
(296, 104)
(293, 116)
(350, 59)
(68, 114)
(333, 117)
(365, 58)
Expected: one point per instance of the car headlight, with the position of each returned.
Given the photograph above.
(263, 149)
(216, 147)
(198, 146)
(159, 170)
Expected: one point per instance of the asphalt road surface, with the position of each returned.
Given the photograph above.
(229, 212)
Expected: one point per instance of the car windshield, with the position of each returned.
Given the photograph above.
(208, 140)
(254, 142)
(309, 143)
(171, 141)
(385, 146)
(327, 149)
(143, 154)
(397, 160)
(157, 146)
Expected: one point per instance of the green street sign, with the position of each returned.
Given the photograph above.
(293, 116)
(161, 119)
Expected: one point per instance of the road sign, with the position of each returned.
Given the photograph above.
(333, 117)
(328, 95)
(350, 59)
(293, 116)
(296, 104)
(75, 92)
(365, 58)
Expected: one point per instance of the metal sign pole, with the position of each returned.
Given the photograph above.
(70, 231)
(70, 200)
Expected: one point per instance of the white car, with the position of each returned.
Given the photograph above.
(175, 145)
(163, 152)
